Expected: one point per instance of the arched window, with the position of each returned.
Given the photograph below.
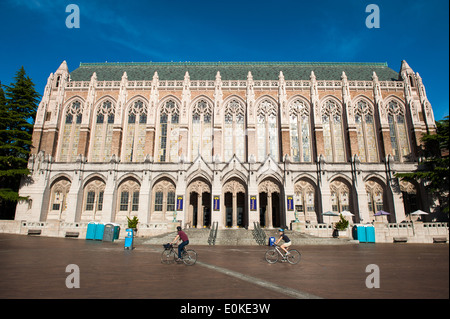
(135, 137)
(202, 130)
(169, 132)
(305, 200)
(340, 196)
(103, 131)
(333, 132)
(164, 203)
(397, 132)
(128, 200)
(93, 200)
(374, 198)
(234, 131)
(267, 130)
(365, 126)
(71, 132)
(58, 197)
(300, 131)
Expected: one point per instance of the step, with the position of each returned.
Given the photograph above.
(242, 237)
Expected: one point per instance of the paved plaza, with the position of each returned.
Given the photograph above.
(35, 267)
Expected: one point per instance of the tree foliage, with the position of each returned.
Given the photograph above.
(18, 105)
(433, 169)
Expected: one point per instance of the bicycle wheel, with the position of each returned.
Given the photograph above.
(189, 257)
(271, 256)
(293, 257)
(168, 257)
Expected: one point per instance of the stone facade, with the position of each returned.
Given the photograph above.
(232, 143)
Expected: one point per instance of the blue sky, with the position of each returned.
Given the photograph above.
(34, 34)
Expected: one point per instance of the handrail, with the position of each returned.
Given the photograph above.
(258, 234)
(213, 234)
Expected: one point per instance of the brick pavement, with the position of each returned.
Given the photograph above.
(34, 267)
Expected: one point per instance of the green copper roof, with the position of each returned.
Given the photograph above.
(233, 70)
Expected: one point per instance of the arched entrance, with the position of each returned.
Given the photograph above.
(199, 205)
(270, 207)
(235, 204)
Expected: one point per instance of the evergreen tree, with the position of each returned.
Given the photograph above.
(18, 105)
(433, 169)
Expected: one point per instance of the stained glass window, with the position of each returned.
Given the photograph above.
(333, 136)
(398, 132)
(267, 130)
(135, 132)
(365, 128)
(202, 130)
(169, 132)
(103, 130)
(71, 132)
(300, 132)
(234, 134)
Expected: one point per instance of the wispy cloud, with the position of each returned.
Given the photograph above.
(106, 19)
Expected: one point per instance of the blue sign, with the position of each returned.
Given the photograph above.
(216, 203)
(290, 203)
(252, 202)
(180, 202)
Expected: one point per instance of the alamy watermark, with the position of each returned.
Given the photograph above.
(373, 279)
(373, 19)
(73, 280)
(73, 19)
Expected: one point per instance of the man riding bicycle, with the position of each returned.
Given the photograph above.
(185, 241)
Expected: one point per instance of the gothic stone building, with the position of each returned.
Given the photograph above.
(226, 142)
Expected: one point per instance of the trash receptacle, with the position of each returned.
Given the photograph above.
(108, 232)
(90, 232)
(370, 234)
(362, 236)
(271, 241)
(129, 239)
(99, 231)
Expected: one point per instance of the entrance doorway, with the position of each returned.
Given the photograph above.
(269, 215)
(270, 205)
(240, 218)
(199, 204)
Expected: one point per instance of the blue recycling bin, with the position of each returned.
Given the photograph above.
(99, 232)
(90, 233)
(370, 233)
(271, 241)
(129, 239)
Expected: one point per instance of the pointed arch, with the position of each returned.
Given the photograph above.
(70, 129)
(267, 128)
(300, 129)
(234, 141)
(135, 123)
(201, 119)
(333, 129)
(103, 121)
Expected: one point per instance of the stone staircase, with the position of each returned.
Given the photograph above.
(241, 237)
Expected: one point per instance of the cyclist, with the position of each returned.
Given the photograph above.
(185, 241)
(287, 241)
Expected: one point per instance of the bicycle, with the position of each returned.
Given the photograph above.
(273, 254)
(188, 256)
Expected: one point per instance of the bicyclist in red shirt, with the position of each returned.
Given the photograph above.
(185, 241)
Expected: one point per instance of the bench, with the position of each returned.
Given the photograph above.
(400, 239)
(72, 234)
(439, 239)
(34, 231)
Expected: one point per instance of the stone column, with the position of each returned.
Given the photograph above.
(200, 211)
(234, 221)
